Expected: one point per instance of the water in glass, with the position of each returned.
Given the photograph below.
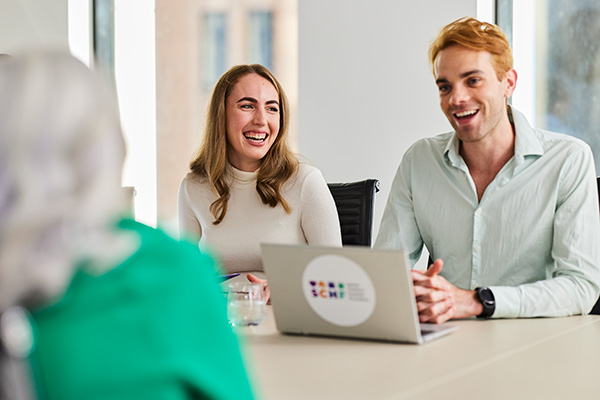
(246, 304)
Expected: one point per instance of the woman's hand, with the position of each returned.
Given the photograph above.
(264, 282)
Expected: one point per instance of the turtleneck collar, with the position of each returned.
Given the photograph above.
(242, 178)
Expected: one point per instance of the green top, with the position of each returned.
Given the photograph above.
(155, 327)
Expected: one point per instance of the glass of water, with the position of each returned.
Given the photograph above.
(246, 303)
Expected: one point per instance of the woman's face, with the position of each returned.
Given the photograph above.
(252, 111)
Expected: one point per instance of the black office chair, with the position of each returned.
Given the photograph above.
(355, 204)
(596, 309)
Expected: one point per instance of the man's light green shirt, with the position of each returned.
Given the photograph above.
(534, 237)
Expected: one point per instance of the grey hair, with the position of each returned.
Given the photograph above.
(61, 159)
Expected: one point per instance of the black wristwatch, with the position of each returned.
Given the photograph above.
(486, 297)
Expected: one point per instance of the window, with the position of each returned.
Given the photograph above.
(557, 57)
(215, 48)
(260, 38)
(104, 36)
(165, 57)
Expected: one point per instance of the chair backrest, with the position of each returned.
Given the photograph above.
(355, 205)
(598, 183)
(596, 309)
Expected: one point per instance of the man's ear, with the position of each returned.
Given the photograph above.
(510, 82)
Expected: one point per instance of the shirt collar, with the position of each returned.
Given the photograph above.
(526, 141)
(451, 151)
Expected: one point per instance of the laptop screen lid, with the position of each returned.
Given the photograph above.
(353, 292)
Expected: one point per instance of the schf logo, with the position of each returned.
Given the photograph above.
(338, 290)
(329, 290)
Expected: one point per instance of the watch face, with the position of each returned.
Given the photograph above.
(486, 295)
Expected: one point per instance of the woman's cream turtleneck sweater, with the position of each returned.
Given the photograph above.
(249, 222)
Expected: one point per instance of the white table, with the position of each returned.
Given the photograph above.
(544, 358)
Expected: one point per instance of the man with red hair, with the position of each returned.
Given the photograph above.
(509, 213)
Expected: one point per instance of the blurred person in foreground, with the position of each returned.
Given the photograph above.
(118, 310)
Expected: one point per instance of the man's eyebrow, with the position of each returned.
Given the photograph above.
(473, 72)
(463, 75)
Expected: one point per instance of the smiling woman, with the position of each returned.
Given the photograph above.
(246, 186)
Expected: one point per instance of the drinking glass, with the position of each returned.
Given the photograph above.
(246, 303)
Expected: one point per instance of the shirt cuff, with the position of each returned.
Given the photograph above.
(508, 301)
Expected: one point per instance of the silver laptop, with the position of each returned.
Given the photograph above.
(354, 292)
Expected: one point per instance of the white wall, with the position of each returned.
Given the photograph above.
(366, 92)
(31, 24)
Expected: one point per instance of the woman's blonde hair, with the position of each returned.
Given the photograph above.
(278, 164)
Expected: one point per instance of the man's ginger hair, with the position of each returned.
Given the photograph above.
(475, 35)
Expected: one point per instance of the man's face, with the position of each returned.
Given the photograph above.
(471, 96)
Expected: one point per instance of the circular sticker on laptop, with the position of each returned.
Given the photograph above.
(338, 290)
